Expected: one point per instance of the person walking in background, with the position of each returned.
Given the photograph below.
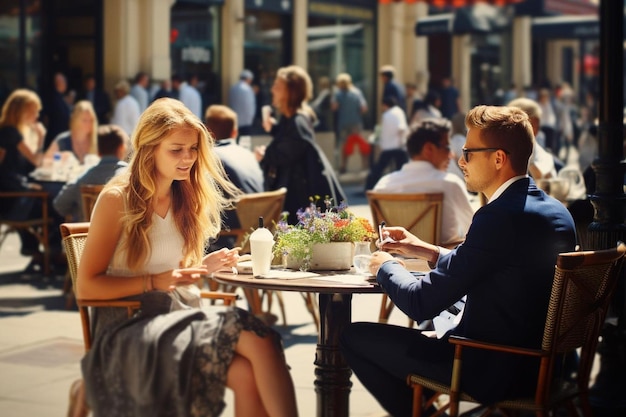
(293, 159)
(548, 121)
(507, 297)
(413, 99)
(139, 90)
(98, 98)
(112, 150)
(541, 162)
(393, 131)
(350, 105)
(165, 90)
(242, 100)
(126, 111)
(190, 96)
(147, 239)
(176, 83)
(56, 110)
(82, 137)
(428, 147)
(240, 164)
(427, 108)
(321, 104)
(392, 88)
(457, 141)
(450, 98)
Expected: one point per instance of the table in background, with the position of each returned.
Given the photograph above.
(332, 373)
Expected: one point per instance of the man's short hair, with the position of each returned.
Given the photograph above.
(428, 130)
(507, 128)
(122, 85)
(390, 101)
(110, 138)
(221, 121)
(246, 75)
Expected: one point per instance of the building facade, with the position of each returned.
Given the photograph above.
(216, 39)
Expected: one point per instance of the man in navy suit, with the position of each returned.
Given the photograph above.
(505, 267)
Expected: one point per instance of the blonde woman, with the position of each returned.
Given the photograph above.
(18, 119)
(146, 239)
(81, 138)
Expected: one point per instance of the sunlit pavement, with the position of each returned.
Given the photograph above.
(41, 341)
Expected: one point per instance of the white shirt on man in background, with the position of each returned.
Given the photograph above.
(191, 98)
(126, 114)
(423, 177)
(393, 129)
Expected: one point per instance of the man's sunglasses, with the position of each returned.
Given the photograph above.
(467, 151)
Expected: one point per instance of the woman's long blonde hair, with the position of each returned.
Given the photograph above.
(16, 105)
(81, 107)
(197, 204)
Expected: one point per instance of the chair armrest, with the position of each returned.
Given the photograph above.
(29, 193)
(228, 297)
(134, 305)
(463, 341)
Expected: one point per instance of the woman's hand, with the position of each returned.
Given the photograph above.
(268, 123)
(169, 280)
(221, 259)
(259, 152)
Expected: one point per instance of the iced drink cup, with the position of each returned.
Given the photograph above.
(261, 244)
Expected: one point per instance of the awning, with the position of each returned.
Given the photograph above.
(566, 27)
(435, 24)
(453, 3)
(480, 18)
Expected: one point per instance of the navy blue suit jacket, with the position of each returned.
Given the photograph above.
(505, 266)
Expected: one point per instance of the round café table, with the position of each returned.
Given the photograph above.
(335, 289)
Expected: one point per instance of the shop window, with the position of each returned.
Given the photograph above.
(195, 48)
(336, 45)
(19, 67)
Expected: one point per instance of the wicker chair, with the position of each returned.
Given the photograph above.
(420, 214)
(249, 207)
(583, 285)
(74, 236)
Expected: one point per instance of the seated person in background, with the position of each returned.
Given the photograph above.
(426, 172)
(81, 138)
(112, 149)
(240, 164)
(505, 266)
(541, 162)
(19, 115)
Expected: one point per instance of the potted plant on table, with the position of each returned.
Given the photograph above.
(323, 239)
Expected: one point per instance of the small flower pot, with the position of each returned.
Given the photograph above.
(326, 256)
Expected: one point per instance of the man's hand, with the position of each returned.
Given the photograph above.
(379, 258)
